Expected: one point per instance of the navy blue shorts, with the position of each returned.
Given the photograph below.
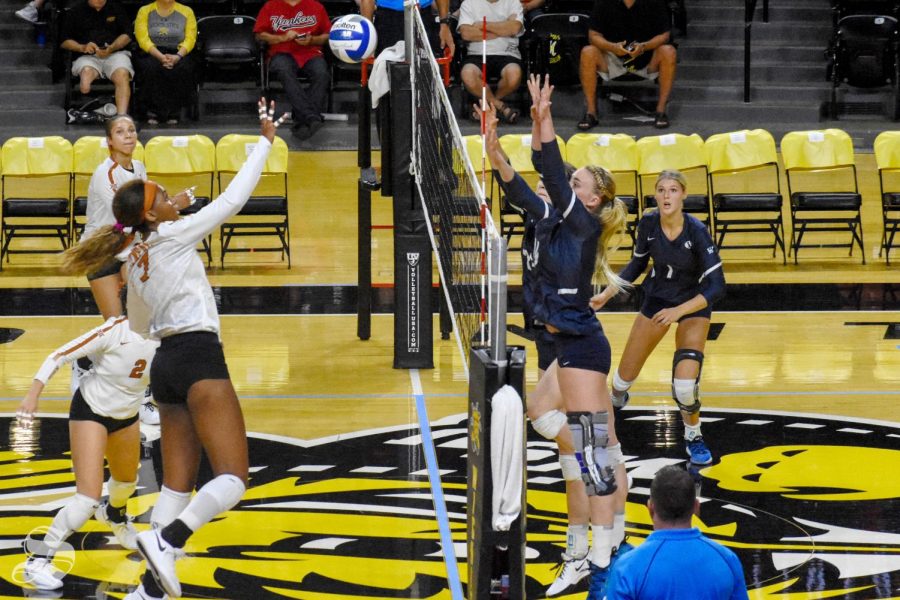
(111, 268)
(81, 411)
(546, 348)
(181, 361)
(591, 352)
(651, 306)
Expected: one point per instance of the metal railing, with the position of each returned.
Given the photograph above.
(749, 9)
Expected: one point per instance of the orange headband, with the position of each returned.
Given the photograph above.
(150, 189)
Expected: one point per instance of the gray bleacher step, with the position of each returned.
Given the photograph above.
(734, 32)
(758, 112)
(721, 12)
(24, 120)
(789, 54)
(689, 91)
(20, 76)
(18, 56)
(12, 98)
(720, 71)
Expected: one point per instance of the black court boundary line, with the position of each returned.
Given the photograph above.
(342, 299)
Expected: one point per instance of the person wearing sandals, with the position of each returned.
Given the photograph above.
(628, 36)
(505, 24)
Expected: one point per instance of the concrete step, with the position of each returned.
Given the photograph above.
(763, 92)
(733, 12)
(23, 119)
(760, 71)
(772, 31)
(24, 76)
(754, 112)
(18, 56)
(765, 52)
(43, 96)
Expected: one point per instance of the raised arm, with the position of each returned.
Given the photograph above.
(193, 228)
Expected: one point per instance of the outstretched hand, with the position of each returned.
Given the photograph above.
(266, 123)
(544, 102)
(491, 141)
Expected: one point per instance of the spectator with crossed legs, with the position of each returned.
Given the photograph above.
(572, 237)
(102, 422)
(170, 298)
(685, 281)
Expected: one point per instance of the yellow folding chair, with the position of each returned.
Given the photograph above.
(746, 164)
(36, 192)
(685, 153)
(887, 157)
(517, 148)
(618, 154)
(88, 151)
(183, 161)
(815, 205)
(265, 214)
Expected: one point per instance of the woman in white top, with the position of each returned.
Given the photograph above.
(102, 422)
(170, 299)
(112, 173)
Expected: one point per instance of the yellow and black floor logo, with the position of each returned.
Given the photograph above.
(810, 504)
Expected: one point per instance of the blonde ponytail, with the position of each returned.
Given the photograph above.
(612, 214)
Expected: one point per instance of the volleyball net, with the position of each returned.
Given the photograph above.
(469, 250)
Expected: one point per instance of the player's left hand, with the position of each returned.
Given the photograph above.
(666, 316)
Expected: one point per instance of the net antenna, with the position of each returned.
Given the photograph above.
(470, 252)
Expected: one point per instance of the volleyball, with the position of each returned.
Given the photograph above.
(352, 38)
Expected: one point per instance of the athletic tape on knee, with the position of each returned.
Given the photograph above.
(214, 498)
(168, 506)
(71, 517)
(571, 470)
(687, 395)
(590, 436)
(120, 491)
(549, 424)
(615, 455)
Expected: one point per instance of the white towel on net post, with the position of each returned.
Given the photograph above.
(507, 429)
(379, 79)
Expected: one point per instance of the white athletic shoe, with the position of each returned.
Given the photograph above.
(28, 13)
(40, 573)
(149, 413)
(125, 532)
(570, 572)
(160, 556)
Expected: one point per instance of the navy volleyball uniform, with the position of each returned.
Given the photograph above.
(682, 268)
(565, 247)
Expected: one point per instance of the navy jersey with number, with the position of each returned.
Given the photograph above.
(682, 268)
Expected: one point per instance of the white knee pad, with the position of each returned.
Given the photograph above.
(168, 506)
(549, 424)
(571, 470)
(214, 498)
(71, 517)
(687, 394)
(614, 453)
(120, 491)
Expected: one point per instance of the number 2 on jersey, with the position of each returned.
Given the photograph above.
(140, 365)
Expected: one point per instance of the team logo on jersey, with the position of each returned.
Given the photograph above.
(807, 502)
(688, 245)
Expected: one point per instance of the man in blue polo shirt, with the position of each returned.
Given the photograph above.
(676, 562)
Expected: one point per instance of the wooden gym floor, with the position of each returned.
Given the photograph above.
(800, 390)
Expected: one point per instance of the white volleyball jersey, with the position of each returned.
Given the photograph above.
(168, 292)
(114, 387)
(108, 177)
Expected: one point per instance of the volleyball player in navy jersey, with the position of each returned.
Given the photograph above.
(169, 297)
(571, 238)
(685, 281)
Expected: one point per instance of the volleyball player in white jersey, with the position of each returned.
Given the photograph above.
(102, 422)
(170, 299)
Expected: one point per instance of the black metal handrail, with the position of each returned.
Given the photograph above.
(749, 9)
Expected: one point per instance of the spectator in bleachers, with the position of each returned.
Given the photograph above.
(505, 24)
(295, 31)
(31, 11)
(387, 15)
(166, 71)
(532, 9)
(628, 36)
(99, 31)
